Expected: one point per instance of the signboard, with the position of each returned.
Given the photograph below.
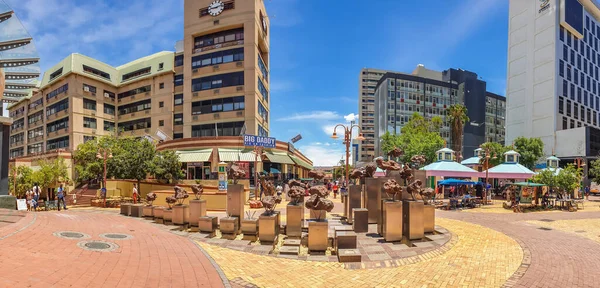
(161, 135)
(297, 138)
(251, 140)
(291, 147)
(21, 204)
(222, 177)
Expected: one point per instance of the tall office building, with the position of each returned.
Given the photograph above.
(398, 96)
(553, 85)
(367, 81)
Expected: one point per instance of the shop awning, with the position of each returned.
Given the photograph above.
(301, 163)
(278, 157)
(236, 155)
(202, 155)
(273, 171)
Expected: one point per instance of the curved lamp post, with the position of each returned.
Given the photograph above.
(347, 137)
(487, 168)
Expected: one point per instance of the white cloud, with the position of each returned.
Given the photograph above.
(325, 156)
(312, 116)
(351, 117)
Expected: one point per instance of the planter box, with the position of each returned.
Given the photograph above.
(168, 215)
(318, 235)
(267, 231)
(149, 211)
(126, 209)
(428, 218)
(208, 224)
(345, 239)
(137, 210)
(181, 214)
(295, 215)
(354, 200)
(413, 221)
(373, 196)
(158, 212)
(197, 210)
(250, 226)
(392, 221)
(229, 225)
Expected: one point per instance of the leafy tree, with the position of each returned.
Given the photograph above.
(568, 178)
(50, 173)
(23, 178)
(131, 159)
(457, 114)
(495, 149)
(421, 136)
(166, 166)
(594, 171)
(389, 141)
(531, 150)
(547, 178)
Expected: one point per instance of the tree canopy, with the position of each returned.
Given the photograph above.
(531, 150)
(166, 166)
(419, 136)
(496, 150)
(51, 172)
(24, 180)
(457, 114)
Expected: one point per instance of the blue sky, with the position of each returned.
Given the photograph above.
(317, 48)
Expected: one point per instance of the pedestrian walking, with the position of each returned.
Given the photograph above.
(135, 193)
(29, 197)
(335, 190)
(36, 196)
(60, 194)
(587, 193)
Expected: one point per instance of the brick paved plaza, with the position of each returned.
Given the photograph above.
(486, 249)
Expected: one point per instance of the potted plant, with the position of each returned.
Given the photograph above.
(168, 212)
(181, 211)
(197, 205)
(149, 209)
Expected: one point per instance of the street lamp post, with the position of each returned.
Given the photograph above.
(103, 153)
(257, 151)
(487, 168)
(347, 138)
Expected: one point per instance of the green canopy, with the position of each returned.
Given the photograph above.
(528, 184)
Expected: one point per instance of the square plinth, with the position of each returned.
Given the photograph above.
(429, 218)
(148, 211)
(318, 239)
(360, 222)
(250, 226)
(168, 215)
(137, 210)
(295, 216)
(413, 226)
(229, 225)
(207, 224)
(181, 214)
(292, 242)
(345, 239)
(349, 255)
(197, 210)
(289, 250)
(126, 209)
(235, 200)
(158, 212)
(267, 231)
(354, 200)
(392, 221)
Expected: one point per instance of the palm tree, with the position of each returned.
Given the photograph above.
(457, 114)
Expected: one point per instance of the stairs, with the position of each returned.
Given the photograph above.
(84, 195)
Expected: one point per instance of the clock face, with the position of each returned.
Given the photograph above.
(216, 7)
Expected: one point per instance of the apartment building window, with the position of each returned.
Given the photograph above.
(17, 124)
(88, 138)
(161, 104)
(135, 107)
(135, 124)
(35, 117)
(569, 72)
(35, 148)
(575, 111)
(161, 86)
(263, 112)
(89, 88)
(262, 132)
(89, 123)
(178, 136)
(582, 113)
(135, 91)
(17, 138)
(108, 94)
(178, 60)
(57, 91)
(178, 99)
(56, 73)
(18, 152)
(17, 112)
(109, 109)
(218, 81)
(89, 104)
(161, 66)
(58, 107)
(219, 38)
(161, 123)
(96, 72)
(572, 123)
(263, 68)
(109, 126)
(218, 105)
(569, 108)
(57, 125)
(135, 74)
(221, 129)
(178, 80)
(588, 116)
(263, 90)
(36, 103)
(58, 143)
(35, 132)
(216, 58)
(178, 119)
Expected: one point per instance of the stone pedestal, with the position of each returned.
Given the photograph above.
(318, 214)
(168, 215)
(354, 200)
(345, 239)
(267, 231)
(428, 218)
(126, 209)
(235, 201)
(250, 226)
(392, 221)
(373, 196)
(158, 212)
(229, 225)
(148, 211)
(413, 220)
(181, 214)
(345, 204)
(8, 201)
(295, 217)
(207, 224)
(197, 210)
(137, 210)
(318, 235)
(349, 255)
(361, 220)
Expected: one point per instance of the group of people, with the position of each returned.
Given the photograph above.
(33, 197)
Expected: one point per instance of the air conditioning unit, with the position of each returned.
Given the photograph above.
(86, 89)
